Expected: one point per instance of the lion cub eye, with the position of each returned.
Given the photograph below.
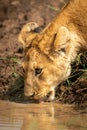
(38, 71)
(62, 50)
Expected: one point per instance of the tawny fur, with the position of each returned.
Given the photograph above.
(51, 51)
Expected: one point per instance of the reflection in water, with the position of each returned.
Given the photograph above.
(46, 116)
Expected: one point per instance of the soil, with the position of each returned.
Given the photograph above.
(13, 15)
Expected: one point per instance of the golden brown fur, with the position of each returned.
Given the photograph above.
(48, 54)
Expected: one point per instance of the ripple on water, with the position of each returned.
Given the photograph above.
(45, 116)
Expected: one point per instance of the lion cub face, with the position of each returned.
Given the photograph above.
(42, 73)
(46, 62)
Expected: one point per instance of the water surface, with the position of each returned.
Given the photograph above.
(45, 116)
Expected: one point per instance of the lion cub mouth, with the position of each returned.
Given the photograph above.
(48, 98)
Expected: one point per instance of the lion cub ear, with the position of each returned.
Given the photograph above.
(62, 38)
(27, 34)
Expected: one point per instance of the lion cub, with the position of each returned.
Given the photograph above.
(48, 54)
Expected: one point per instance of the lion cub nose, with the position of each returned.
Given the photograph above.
(29, 92)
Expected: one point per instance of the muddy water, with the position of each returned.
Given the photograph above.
(45, 116)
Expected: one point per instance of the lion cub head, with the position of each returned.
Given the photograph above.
(47, 60)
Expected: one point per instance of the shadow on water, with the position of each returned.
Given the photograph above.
(45, 116)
